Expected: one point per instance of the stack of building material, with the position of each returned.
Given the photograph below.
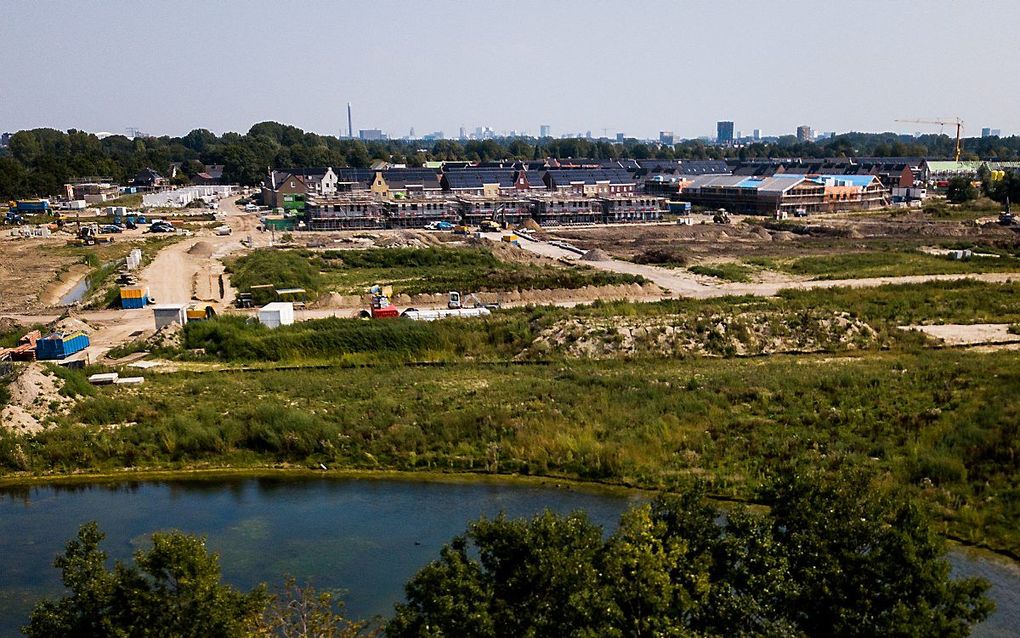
(166, 314)
(60, 345)
(24, 351)
(133, 259)
(276, 314)
(134, 296)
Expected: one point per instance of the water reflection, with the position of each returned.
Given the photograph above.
(366, 537)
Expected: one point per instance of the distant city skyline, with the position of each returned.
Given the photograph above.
(169, 68)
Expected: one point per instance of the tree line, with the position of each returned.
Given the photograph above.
(38, 162)
(830, 554)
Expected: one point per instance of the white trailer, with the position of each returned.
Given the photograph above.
(276, 314)
(166, 314)
(444, 313)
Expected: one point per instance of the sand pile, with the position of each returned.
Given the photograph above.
(8, 324)
(170, 336)
(530, 224)
(71, 324)
(32, 395)
(596, 254)
(201, 249)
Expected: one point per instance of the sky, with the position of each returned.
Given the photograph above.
(632, 67)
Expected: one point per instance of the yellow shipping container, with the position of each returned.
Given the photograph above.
(133, 292)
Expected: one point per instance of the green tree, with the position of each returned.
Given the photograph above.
(960, 190)
(171, 590)
(834, 555)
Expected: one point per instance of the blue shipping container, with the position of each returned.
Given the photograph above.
(133, 303)
(58, 346)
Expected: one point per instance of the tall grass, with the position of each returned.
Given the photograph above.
(943, 424)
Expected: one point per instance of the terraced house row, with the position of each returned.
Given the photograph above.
(584, 191)
(360, 212)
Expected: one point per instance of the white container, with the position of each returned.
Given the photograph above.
(166, 314)
(105, 378)
(276, 314)
(76, 204)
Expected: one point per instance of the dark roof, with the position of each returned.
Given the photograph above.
(404, 177)
(562, 177)
(476, 178)
(355, 175)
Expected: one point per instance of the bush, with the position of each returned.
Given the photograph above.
(277, 268)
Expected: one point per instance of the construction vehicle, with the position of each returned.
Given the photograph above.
(244, 300)
(721, 217)
(89, 234)
(380, 305)
(200, 312)
(456, 302)
(462, 230)
(14, 218)
(957, 122)
(489, 226)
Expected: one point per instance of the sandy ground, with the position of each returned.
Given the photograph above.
(191, 270)
(955, 334)
(34, 395)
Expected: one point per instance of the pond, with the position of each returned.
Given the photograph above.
(365, 536)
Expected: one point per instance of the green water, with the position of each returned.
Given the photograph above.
(364, 536)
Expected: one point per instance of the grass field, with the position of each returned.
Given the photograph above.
(508, 333)
(409, 271)
(456, 396)
(727, 271)
(930, 419)
(886, 264)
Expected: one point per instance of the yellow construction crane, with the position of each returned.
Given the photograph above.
(957, 122)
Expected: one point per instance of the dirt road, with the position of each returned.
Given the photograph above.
(682, 283)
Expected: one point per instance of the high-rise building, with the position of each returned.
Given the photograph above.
(996, 132)
(371, 134)
(724, 132)
(757, 134)
(666, 137)
(544, 130)
(463, 133)
(620, 137)
(350, 122)
(804, 133)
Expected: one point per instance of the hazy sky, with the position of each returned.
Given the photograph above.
(635, 67)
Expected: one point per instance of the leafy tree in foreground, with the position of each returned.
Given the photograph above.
(171, 590)
(833, 556)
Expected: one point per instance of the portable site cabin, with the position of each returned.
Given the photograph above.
(134, 297)
(59, 345)
(166, 314)
(276, 314)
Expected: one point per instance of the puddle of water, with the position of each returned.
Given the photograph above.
(76, 294)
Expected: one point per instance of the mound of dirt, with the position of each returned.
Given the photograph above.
(70, 324)
(596, 254)
(407, 239)
(8, 324)
(752, 333)
(530, 224)
(201, 249)
(34, 394)
(170, 336)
